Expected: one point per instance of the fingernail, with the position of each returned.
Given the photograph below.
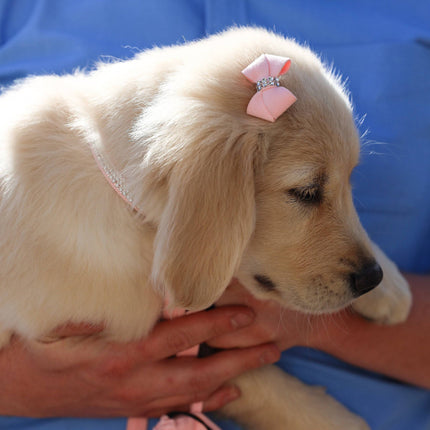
(242, 319)
(270, 355)
(232, 394)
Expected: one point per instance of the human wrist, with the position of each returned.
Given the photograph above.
(327, 332)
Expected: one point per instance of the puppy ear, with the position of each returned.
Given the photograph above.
(207, 221)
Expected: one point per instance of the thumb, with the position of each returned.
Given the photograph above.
(72, 329)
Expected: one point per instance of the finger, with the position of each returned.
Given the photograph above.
(79, 329)
(159, 412)
(186, 380)
(190, 377)
(62, 355)
(221, 397)
(211, 402)
(223, 366)
(164, 406)
(173, 336)
(239, 339)
(206, 379)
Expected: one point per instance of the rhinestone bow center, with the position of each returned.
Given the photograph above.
(270, 81)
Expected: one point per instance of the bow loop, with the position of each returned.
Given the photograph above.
(271, 99)
(267, 65)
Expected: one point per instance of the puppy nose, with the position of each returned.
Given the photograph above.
(366, 279)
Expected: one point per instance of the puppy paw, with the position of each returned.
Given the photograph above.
(391, 301)
(272, 399)
(326, 413)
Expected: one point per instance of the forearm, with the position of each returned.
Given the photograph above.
(401, 351)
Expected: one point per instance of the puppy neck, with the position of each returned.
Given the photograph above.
(114, 178)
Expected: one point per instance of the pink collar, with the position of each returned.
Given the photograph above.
(114, 178)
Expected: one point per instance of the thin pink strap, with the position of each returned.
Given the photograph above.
(182, 422)
(190, 352)
(136, 423)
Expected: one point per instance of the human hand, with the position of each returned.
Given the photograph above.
(87, 376)
(343, 334)
(273, 323)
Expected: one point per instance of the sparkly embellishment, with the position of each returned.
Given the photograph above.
(271, 99)
(270, 81)
(115, 179)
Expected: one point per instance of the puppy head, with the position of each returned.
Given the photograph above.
(308, 249)
(268, 202)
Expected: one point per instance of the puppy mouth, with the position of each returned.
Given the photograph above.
(321, 294)
(326, 305)
(265, 283)
(321, 300)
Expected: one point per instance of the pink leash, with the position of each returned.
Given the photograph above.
(195, 420)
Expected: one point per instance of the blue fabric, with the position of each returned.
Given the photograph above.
(382, 47)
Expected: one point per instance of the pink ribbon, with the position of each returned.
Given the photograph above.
(186, 423)
(178, 423)
(271, 100)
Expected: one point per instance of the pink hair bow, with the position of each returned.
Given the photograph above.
(271, 100)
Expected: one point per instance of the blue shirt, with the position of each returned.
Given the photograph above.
(383, 48)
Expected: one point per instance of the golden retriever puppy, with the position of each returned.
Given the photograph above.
(211, 193)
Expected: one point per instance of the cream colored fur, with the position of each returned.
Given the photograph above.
(214, 186)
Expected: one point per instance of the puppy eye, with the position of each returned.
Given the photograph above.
(307, 195)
